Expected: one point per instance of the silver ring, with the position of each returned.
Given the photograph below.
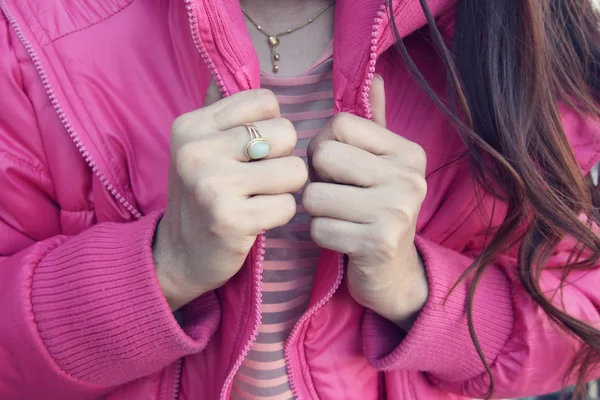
(258, 147)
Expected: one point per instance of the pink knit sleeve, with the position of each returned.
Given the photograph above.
(86, 314)
(528, 354)
(100, 311)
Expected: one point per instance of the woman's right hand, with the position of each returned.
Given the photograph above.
(218, 201)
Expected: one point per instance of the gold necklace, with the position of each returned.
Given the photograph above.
(273, 40)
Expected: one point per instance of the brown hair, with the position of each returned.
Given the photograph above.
(523, 57)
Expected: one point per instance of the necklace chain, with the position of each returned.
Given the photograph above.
(273, 40)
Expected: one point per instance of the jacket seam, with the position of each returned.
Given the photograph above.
(81, 211)
(51, 41)
(461, 220)
(106, 151)
(44, 173)
(21, 162)
(119, 177)
(87, 116)
(411, 388)
(302, 353)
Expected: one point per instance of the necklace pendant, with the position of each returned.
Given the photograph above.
(273, 42)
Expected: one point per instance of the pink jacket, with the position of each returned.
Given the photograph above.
(88, 91)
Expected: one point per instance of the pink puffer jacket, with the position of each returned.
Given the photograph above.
(88, 91)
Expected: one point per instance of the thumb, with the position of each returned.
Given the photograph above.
(213, 94)
(377, 97)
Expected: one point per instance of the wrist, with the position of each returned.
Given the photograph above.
(168, 266)
(413, 295)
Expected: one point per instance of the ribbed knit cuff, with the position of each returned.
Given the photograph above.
(439, 342)
(100, 311)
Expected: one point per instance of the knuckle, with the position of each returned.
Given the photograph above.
(366, 274)
(223, 222)
(288, 137)
(341, 123)
(236, 249)
(188, 126)
(180, 125)
(420, 187)
(288, 207)
(322, 154)
(318, 230)
(411, 179)
(416, 182)
(396, 171)
(403, 214)
(387, 242)
(209, 190)
(187, 160)
(418, 156)
(309, 198)
(268, 100)
(299, 171)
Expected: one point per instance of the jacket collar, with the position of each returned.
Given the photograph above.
(363, 31)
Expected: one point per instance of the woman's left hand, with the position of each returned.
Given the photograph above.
(367, 190)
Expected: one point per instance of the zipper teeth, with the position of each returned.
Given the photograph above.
(177, 384)
(193, 22)
(259, 263)
(366, 88)
(304, 318)
(63, 116)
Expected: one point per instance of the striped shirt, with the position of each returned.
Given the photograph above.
(291, 256)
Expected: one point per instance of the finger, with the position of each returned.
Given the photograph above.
(341, 202)
(340, 236)
(280, 133)
(342, 163)
(377, 97)
(238, 109)
(268, 212)
(361, 133)
(275, 176)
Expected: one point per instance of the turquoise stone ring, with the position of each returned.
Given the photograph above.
(258, 147)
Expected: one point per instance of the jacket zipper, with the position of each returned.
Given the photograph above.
(309, 313)
(366, 87)
(259, 246)
(177, 379)
(193, 22)
(63, 116)
(257, 284)
(368, 113)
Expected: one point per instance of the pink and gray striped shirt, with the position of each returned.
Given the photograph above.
(291, 256)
